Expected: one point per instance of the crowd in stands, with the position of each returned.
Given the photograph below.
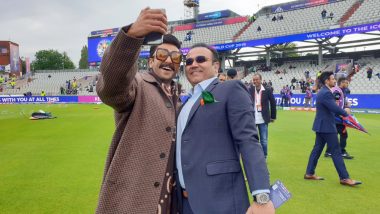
(70, 82)
(324, 14)
(277, 17)
(295, 21)
(71, 87)
(4, 80)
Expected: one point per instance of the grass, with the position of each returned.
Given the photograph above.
(56, 166)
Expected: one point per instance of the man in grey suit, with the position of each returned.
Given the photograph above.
(326, 132)
(216, 127)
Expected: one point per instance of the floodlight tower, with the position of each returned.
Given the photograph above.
(191, 9)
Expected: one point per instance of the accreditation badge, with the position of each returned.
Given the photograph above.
(258, 107)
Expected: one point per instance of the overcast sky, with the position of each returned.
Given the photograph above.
(64, 25)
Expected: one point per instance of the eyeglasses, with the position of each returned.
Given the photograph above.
(198, 59)
(163, 54)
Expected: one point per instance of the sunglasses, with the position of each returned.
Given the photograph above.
(198, 59)
(163, 54)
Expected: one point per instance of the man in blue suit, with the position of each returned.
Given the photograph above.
(216, 127)
(326, 132)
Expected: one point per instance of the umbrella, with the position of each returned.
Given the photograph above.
(352, 122)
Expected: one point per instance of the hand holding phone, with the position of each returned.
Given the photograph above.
(151, 24)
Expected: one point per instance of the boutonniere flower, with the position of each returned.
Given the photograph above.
(207, 98)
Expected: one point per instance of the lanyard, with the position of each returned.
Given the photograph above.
(258, 99)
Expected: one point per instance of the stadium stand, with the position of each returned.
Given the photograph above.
(359, 82)
(367, 12)
(297, 21)
(212, 35)
(284, 78)
(41, 81)
(345, 13)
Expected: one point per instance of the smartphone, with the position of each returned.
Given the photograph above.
(154, 38)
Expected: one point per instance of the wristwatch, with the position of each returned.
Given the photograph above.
(261, 198)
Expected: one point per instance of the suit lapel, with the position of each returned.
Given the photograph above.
(180, 109)
(198, 102)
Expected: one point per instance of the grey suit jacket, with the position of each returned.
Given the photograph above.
(214, 139)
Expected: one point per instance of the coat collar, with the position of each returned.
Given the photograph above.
(148, 77)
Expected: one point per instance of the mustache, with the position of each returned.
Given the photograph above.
(170, 65)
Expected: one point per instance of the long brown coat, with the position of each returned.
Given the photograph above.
(136, 168)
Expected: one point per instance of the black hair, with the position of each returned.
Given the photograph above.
(213, 51)
(325, 76)
(232, 73)
(340, 80)
(168, 39)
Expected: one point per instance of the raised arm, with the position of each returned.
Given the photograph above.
(117, 83)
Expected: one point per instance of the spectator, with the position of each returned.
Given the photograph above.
(369, 73)
(270, 83)
(231, 74)
(189, 36)
(297, 86)
(68, 85)
(307, 74)
(274, 18)
(289, 95)
(43, 93)
(341, 100)
(331, 16)
(292, 87)
(264, 107)
(308, 98)
(319, 74)
(283, 96)
(294, 80)
(13, 83)
(378, 75)
(265, 84)
(75, 84)
(252, 18)
(246, 83)
(302, 83)
(62, 90)
(28, 94)
(324, 13)
(49, 76)
(258, 28)
(222, 77)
